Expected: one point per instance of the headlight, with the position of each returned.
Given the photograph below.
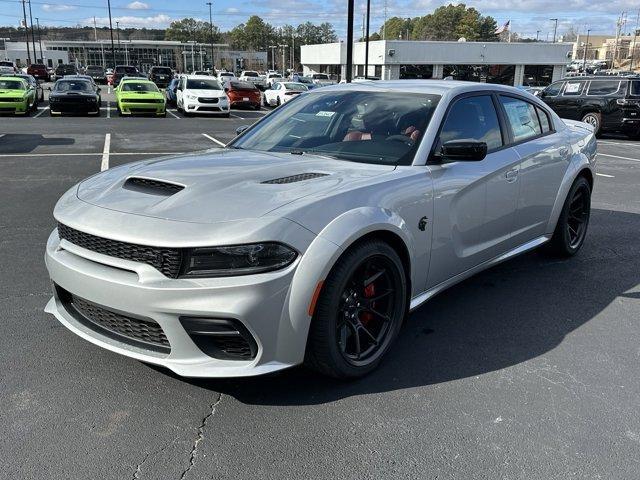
(191, 97)
(237, 260)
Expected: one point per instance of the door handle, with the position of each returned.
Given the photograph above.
(511, 175)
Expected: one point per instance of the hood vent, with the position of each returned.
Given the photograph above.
(153, 187)
(295, 178)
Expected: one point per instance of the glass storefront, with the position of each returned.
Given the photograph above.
(501, 74)
(416, 72)
(537, 75)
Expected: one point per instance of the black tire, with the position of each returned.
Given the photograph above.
(595, 120)
(278, 103)
(337, 311)
(571, 229)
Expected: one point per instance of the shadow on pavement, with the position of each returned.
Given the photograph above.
(26, 142)
(499, 318)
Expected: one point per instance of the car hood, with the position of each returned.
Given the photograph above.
(140, 95)
(220, 185)
(206, 93)
(72, 94)
(12, 93)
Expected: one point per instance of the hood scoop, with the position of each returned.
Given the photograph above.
(301, 177)
(150, 186)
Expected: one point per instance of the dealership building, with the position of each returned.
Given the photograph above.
(535, 63)
(141, 53)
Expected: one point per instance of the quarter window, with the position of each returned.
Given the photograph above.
(522, 117)
(545, 124)
(606, 87)
(473, 118)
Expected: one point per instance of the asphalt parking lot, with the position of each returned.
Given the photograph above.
(526, 371)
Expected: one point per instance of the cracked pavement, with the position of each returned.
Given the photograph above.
(526, 371)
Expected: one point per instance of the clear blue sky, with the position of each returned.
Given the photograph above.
(526, 16)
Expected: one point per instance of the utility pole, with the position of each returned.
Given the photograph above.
(118, 33)
(635, 36)
(26, 31)
(555, 28)
(283, 67)
(33, 37)
(366, 44)
(384, 25)
(113, 50)
(620, 22)
(586, 47)
(350, 40)
(40, 39)
(273, 56)
(213, 68)
(537, 35)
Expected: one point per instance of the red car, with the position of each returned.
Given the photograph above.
(243, 94)
(39, 71)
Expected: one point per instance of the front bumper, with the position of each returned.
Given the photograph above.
(19, 108)
(59, 108)
(257, 301)
(195, 106)
(130, 107)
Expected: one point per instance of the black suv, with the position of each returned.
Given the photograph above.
(161, 76)
(122, 71)
(97, 73)
(65, 69)
(608, 103)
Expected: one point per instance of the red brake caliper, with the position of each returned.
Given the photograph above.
(369, 292)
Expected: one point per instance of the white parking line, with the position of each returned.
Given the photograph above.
(606, 142)
(237, 116)
(618, 156)
(104, 165)
(88, 154)
(41, 112)
(214, 140)
(2, 135)
(108, 109)
(605, 175)
(169, 111)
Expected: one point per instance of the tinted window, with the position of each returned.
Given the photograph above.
(11, 84)
(553, 89)
(522, 117)
(250, 74)
(573, 89)
(634, 89)
(127, 70)
(201, 84)
(72, 86)
(296, 87)
(603, 87)
(161, 70)
(473, 118)
(545, 123)
(139, 87)
(243, 86)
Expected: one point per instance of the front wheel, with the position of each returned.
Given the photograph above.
(571, 229)
(359, 312)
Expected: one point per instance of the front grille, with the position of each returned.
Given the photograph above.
(144, 333)
(209, 109)
(225, 339)
(167, 260)
(7, 109)
(143, 100)
(141, 109)
(295, 178)
(207, 100)
(12, 99)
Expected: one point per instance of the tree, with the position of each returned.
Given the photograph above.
(396, 28)
(256, 34)
(451, 22)
(190, 29)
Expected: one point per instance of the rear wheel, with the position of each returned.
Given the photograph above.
(571, 229)
(359, 312)
(595, 120)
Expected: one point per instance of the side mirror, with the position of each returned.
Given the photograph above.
(241, 129)
(463, 151)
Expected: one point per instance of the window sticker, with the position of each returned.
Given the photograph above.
(323, 113)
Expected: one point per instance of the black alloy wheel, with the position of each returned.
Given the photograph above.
(573, 222)
(359, 312)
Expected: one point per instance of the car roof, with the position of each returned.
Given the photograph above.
(16, 77)
(437, 87)
(136, 79)
(200, 77)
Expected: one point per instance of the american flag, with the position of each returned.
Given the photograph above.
(503, 28)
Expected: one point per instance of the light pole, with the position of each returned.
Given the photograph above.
(40, 39)
(555, 28)
(635, 37)
(33, 37)
(213, 68)
(586, 46)
(26, 31)
(193, 60)
(273, 56)
(349, 71)
(113, 50)
(283, 67)
(537, 35)
(118, 33)
(366, 42)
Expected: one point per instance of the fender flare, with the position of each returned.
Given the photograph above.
(324, 252)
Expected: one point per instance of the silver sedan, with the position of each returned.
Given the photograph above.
(310, 237)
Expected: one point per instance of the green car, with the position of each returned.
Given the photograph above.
(16, 96)
(136, 95)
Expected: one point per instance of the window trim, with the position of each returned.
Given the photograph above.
(552, 128)
(504, 133)
(563, 82)
(584, 84)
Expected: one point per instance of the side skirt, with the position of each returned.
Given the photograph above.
(423, 297)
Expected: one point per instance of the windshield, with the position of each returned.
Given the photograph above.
(139, 87)
(11, 84)
(320, 76)
(227, 74)
(6, 64)
(95, 69)
(296, 87)
(304, 80)
(162, 71)
(250, 74)
(203, 84)
(369, 127)
(127, 70)
(72, 86)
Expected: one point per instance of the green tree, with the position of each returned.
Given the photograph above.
(451, 22)
(190, 29)
(256, 34)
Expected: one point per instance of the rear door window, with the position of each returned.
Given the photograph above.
(473, 118)
(603, 87)
(522, 118)
(572, 89)
(634, 88)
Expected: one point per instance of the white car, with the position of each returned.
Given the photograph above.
(322, 79)
(282, 92)
(253, 77)
(201, 94)
(273, 78)
(225, 77)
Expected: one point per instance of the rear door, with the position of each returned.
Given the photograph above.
(475, 202)
(544, 158)
(605, 93)
(568, 104)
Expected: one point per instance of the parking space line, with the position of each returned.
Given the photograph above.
(88, 154)
(41, 112)
(237, 116)
(109, 109)
(606, 142)
(176, 116)
(605, 175)
(618, 156)
(214, 140)
(2, 135)
(104, 165)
